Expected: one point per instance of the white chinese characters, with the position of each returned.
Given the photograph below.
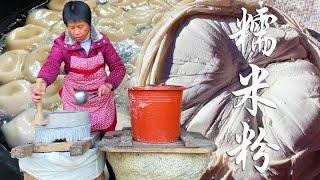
(257, 76)
(258, 25)
(253, 84)
(245, 141)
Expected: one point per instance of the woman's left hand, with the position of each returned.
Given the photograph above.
(104, 89)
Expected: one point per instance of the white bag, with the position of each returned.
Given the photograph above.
(62, 166)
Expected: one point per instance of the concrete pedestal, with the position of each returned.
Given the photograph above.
(187, 158)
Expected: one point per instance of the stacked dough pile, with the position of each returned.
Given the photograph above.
(27, 48)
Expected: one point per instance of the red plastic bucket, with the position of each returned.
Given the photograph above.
(155, 113)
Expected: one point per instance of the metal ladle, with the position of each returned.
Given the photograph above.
(81, 96)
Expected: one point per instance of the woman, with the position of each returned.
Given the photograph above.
(85, 53)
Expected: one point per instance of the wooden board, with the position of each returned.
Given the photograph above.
(189, 142)
(22, 151)
(52, 147)
(27, 176)
(75, 148)
(79, 148)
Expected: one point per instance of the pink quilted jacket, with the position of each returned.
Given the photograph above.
(64, 45)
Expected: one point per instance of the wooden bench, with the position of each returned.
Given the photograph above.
(75, 148)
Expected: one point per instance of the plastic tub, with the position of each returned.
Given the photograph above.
(155, 113)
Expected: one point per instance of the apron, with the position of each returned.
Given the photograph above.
(89, 74)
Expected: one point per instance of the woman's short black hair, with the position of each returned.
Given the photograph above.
(74, 11)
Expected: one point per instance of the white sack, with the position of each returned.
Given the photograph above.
(62, 166)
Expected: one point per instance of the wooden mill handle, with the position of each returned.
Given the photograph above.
(39, 118)
(39, 108)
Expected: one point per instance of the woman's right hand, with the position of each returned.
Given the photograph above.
(38, 90)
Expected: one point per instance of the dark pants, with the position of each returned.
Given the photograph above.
(112, 176)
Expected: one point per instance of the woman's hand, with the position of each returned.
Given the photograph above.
(38, 90)
(104, 89)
